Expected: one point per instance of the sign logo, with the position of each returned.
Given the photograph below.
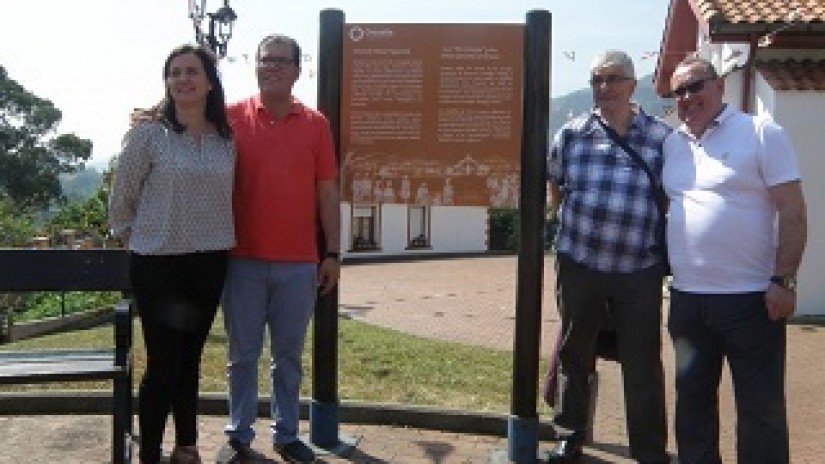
(356, 33)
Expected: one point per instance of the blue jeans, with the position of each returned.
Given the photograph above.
(706, 329)
(280, 296)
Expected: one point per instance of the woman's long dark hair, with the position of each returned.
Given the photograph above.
(215, 99)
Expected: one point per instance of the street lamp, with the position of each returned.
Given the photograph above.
(220, 25)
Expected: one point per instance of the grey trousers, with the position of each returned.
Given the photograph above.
(635, 301)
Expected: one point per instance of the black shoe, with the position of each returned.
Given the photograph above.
(568, 450)
(295, 452)
(236, 452)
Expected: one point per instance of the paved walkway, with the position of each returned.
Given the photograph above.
(467, 300)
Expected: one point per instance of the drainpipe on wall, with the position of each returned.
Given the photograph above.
(748, 74)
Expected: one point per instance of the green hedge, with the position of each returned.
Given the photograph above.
(41, 305)
(504, 230)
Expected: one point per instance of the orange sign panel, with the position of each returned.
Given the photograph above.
(431, 114)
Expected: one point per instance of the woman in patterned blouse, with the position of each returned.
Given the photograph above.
(171, 205)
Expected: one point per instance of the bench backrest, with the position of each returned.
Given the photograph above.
(26, 269)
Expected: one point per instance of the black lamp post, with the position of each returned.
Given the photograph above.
(220, 25)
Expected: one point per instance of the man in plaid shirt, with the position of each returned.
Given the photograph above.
(609, 258)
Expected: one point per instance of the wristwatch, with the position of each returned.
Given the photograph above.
(788, 282)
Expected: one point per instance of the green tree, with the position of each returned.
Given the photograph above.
(88, 216)
(15, 229)
(32, 155)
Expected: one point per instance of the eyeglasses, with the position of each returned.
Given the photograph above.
(692, 88)
(275, 61)
(610, 79)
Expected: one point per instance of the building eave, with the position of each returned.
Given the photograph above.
(687, 18)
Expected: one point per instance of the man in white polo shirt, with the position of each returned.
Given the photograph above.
(736, 233)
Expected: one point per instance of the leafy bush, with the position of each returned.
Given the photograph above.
(16, 229)
(504, 230)
(51, 304)
(88, 216)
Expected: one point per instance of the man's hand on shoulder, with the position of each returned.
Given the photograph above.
(139, 115)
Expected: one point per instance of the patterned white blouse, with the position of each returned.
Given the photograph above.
(171, 195)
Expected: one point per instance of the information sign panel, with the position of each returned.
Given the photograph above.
(431, 113)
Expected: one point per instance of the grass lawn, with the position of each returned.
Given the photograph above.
(375, 365)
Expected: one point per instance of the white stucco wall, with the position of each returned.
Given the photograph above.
(734, 82)
(346, 226)
(393, 228)
(801, 114)
(764, 97)
(459, 229)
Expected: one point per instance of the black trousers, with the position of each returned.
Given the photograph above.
(635, 302)
(177, 298)
(708, 329)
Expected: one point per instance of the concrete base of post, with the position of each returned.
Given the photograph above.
(323, 423)
(522, 440)
(323, 430)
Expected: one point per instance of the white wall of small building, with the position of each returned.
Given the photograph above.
(393, 230)
(453, 229)
(346, 228)
(459, 229)
(800, 113)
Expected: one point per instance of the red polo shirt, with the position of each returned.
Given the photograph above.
(279, 163)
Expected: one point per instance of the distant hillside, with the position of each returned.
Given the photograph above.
(573, 104)
(82, 184)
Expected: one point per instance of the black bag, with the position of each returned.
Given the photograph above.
(551, 377)
(607, 348)
(659, 195)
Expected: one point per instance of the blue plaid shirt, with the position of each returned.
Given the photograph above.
(607, 217)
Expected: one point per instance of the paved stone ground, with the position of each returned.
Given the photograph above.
(473, 301)
(467, 300)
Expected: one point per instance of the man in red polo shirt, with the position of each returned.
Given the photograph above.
(285, 178)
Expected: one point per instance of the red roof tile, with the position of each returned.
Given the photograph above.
(776, 24)
(760, 11)
(793, 74)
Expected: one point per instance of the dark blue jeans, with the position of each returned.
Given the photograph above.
(707, 329)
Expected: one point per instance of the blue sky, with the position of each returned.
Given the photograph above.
(97, 59)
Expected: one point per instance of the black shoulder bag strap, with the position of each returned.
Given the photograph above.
(659, 195)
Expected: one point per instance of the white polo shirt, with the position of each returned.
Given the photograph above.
(721, 230)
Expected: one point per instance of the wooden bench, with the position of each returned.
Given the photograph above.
(61, 270)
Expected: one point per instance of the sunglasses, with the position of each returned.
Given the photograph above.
(692, 88)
